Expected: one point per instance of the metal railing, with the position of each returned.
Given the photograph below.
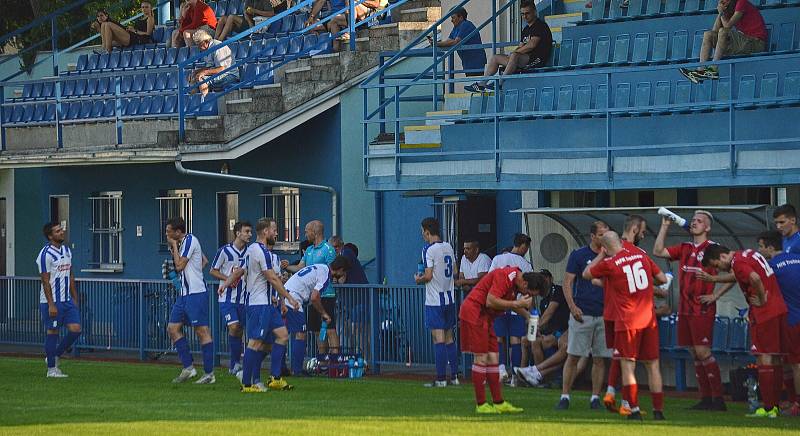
(385, 323)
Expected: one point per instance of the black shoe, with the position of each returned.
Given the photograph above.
(475, 87)
(595, 404)
(635, 416)
(658, 415)
(691, 75)
(704, 404)
(717, 405)
(563, 404)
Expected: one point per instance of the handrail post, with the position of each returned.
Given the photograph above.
(494, 28)
(609, 157)
(374, 331)
(352, 24)
(142, 324)
(2, 124)
(118, 109)
(54, 42)
(397, 133)
(181, 109)
(381, 95)
(59, 131)
(435, 95)
(451, 64)
(731, 128)
(365, 138)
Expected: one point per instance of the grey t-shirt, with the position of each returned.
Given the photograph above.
(220, 58)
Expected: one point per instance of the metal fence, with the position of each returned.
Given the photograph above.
(383, 322)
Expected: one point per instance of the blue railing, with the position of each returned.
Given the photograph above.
(385, 323)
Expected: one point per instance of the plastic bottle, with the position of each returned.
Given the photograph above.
(420, 269)
(360, 367)
(663, 211)
(533, 325)
(752, 393)
(665, 286)
(351, 367)
(323, 331)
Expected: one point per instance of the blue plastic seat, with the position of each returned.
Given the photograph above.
(622, 96)
(528, 103)
(133, 106)
(8, 112)
(86, 110)
(680, 41)
(602, 50)
(158, 34)
(683, 96)
(583, 57)
(48, 90)
(511, 100)
(26, 91)
(50, 113)
(125, 59)
(785, 41)
(641, 99)
(653, 7)
(136, 59)
(81, 64)
(660, 42)
(565, 53)
(138, 83)
(665, 330)
(126, 84)
(547, 99)
(747, 91)
(310, 42)
(159, 57)
(73, 110)
(17, 113)
(91, 87)
(144, 105)
(691, 7)
(149, 82)
(109, 108)
(113, 60)
(299, 22)
(183, 54)
(601, 99)
(791, 88)
(768, 89)
(233, 7)
(170, 104)
(615, 12)
(97, 109)
(661, 97)
(491, 105)
(170, 56)
(287, 24)
(103, 86)
(641, 43)
(634, 9)
(598, 10)
(565, 93)
(91, 62)
(242, 51)
(295, 46)
(621, 48)
(723, 93)
(702, 96)
(697, 44)
(477, 104)
(147, 57)
(221, 7)
(583, 98)
(274, 28)
(281, 48)
(102, 62)
(739, 334)
(265, 74)
(710, 5)
(38, 113)
(268, 48)
(36, 90)
(172, 81)
(160, 83)
(156, 105)
(672, 7)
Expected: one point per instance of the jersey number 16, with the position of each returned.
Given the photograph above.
(637, 277)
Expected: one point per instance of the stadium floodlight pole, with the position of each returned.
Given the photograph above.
(269, 182)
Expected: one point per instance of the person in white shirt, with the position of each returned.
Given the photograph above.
(306, 286)
(191, 307)
(438, 266)
(510, 324)
(473, 265)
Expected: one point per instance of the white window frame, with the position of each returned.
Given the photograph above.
(446, 212)
(107, 206)
(288, 200)
(172, 203)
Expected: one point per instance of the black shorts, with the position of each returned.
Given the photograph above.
(137, 39)
(314, 318)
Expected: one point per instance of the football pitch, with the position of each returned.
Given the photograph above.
(125, 398)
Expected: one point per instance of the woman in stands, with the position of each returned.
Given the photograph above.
(113, 34)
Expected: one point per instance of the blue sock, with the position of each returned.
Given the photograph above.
(298, 355)
(516, 355)
(440, 357)
(68, 340)
(182, 346)
(260, 356)
(208, 357)
(503, 353)
(248, 365)
(50, 342)
(235, 345)
(278, 351)
(452, 356)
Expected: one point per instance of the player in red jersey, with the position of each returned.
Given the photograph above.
(697, 307)
(494, 294)
(767, 316)
(630, 276)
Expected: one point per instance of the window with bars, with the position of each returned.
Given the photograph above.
(172, 203)
(106, 229)
(283, 204)
(446, 211)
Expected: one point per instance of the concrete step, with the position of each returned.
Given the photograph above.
(571, 6)
(298, 75)
(564, 20)
(395, 35)
(440, 118)
(429, 14)
(422, 137)
(397, 13)
(460, 100)
(362, 44)
(237, 124)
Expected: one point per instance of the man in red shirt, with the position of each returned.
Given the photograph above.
(194, 15)
(630, 275)
(738, 30)
(767, 316)
(494, 294)
(697, 307)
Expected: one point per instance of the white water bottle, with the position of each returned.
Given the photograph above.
(533, 325)
(665, 286)
(663, 211)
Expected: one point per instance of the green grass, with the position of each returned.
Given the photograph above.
(120, 398)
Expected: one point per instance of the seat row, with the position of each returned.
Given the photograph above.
(604, 11)
(729, 335)
(646, 98)
(74, 88)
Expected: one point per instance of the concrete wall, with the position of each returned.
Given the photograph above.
(7, 192)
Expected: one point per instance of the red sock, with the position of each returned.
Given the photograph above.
(493, 379)
(478, 378)
(766, 383)
(788, 384)
(713, 376)
(778, 370)
(658, 401)
(702, 379)
(630, 393)
(613, 373)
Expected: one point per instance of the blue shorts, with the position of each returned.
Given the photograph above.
(295, 321)
(233, 313)
(510, 325)
(67, 314)
(190, 309)
(440, 317)
(262, 319)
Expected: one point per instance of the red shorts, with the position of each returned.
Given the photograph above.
(695, 331)
(640, 344)
(610, 333)
(478, 338)
(768, 336)
(792, 344)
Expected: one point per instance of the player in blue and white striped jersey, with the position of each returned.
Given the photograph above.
(58, 296)
(307, 285)
(191, 307)
(440, 309)
(233, 300)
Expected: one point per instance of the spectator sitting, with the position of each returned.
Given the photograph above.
(738, 30)
(194, 15)
(340, 21)
(113, 34)
(533, 52)
(220, 60)
(471, 59)
(355, 275)
(240, 23)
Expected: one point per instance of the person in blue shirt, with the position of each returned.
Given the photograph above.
(785, 219)
(786, 266)
(471, 59)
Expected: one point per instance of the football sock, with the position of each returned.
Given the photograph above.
(613, 373)
(440, 357)
(516, 355)
(713, 376)
(235, 345)
(631, 394)
(50, 342)
(788, 383)
(702, 379)
(248, 365)
(658, 401)
(493, 380)
(766, 383)
(182, 347)
(276, 357)
(503, 353)
(298, 354)
(452, 357)
(208, 357)
(611, 390)
(259, 359)
(478, 379)
(68, 340)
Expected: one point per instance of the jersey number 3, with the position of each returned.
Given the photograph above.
(637, 277)
(448, 267)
